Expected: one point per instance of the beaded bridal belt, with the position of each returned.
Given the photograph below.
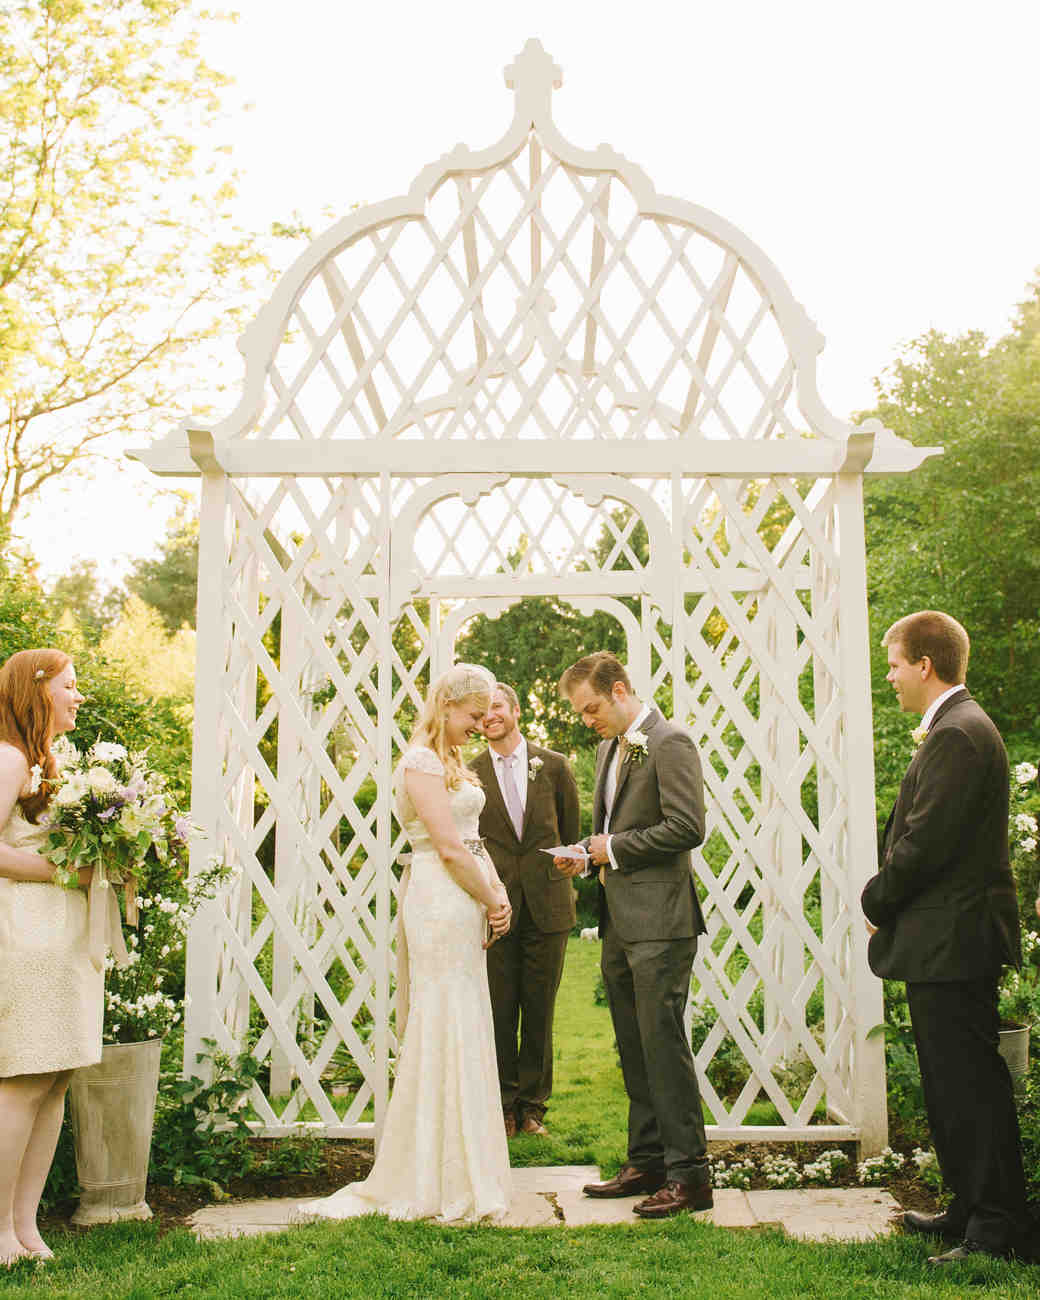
(476, 847)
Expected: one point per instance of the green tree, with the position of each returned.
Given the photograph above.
(169, 582)
(78, 592)
(118, 253)
(962, 533)
(153, 662)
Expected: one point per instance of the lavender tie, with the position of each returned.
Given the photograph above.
(512, 794)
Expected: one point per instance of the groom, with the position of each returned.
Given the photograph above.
(648, 813)
(945, 919)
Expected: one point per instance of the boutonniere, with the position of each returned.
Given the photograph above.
(534, 767)
(917, 736)
(637, 743)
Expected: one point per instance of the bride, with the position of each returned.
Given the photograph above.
(443, 1152)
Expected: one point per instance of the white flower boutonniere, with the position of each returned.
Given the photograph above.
(637, 743)
(534, 767)
(917, 736)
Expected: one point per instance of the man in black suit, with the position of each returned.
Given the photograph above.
(648, 814)
(530, 804)
(946, 920)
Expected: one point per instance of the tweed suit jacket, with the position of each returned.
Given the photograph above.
(551, 817)
(944, 900)
(656, 819)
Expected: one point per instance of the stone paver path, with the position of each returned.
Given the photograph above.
(552, 1197)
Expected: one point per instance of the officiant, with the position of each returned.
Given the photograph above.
(531, 803)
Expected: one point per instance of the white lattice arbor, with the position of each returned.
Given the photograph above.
(473, 394)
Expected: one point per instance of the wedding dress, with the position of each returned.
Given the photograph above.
(51, 996)
(443, 1152)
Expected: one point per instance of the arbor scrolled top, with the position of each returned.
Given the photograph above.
(524, 300)
(532, 377)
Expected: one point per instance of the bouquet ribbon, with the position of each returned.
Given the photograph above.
(104, 926)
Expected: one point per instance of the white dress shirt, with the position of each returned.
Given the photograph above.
(610, 791)
(933, 708)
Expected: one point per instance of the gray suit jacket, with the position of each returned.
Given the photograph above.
(551, 817)
(657, 817)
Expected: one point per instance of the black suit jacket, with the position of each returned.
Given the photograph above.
(944, 900)
(551, 817)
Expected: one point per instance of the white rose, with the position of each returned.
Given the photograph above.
(1025, 823)
(1028, 845)
(71, 792)
(104, 751)
(134, 819)
(1025, 773)
(101, 780)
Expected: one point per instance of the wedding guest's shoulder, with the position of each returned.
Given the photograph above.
(13, 763)
(418, 758)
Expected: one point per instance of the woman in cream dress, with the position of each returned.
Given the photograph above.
(51, 995)
(443, 1151)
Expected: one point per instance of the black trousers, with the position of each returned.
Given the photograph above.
(647, 985)
(524, 969)
(971, 1108)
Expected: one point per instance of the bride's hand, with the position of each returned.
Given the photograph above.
(498, 917)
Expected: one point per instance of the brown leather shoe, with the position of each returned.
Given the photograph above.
(510, 1120)
(673, 1198)
(628, 1181)
(532, 1124)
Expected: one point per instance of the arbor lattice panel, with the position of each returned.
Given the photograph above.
(532, 375)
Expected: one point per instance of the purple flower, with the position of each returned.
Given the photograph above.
(109, 813)
(182, 829)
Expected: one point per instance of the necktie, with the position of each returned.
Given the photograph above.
(512, 794)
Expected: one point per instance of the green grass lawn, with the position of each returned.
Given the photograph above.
(374, 1258)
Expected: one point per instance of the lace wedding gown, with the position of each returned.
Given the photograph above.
(51, 997)
(443, 1153)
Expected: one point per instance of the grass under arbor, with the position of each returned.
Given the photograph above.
(374, 1258)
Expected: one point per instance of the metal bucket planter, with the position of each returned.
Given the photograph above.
(112, 1106)
(1014, 1048)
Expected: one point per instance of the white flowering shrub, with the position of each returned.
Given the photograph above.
(781, 1171)
(1020, 989)
(822, 1170)
(144, 999)
(737, 1173)
(876, 1170)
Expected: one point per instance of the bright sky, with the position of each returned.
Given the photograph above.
(883, 155)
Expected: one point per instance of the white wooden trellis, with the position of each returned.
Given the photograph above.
(466, 396)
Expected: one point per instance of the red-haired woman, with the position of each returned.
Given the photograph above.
(51, 995)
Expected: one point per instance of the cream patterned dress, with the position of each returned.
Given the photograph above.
(51, 997)
(443, 1153)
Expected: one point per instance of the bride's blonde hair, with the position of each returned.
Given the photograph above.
(457, 686)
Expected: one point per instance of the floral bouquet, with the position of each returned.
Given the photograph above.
(110, 812)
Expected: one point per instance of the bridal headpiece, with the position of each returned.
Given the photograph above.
(465, 679)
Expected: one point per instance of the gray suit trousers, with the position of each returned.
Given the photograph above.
(647, 983)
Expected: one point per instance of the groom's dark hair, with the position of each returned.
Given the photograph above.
(937, 635)
(601, 670)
